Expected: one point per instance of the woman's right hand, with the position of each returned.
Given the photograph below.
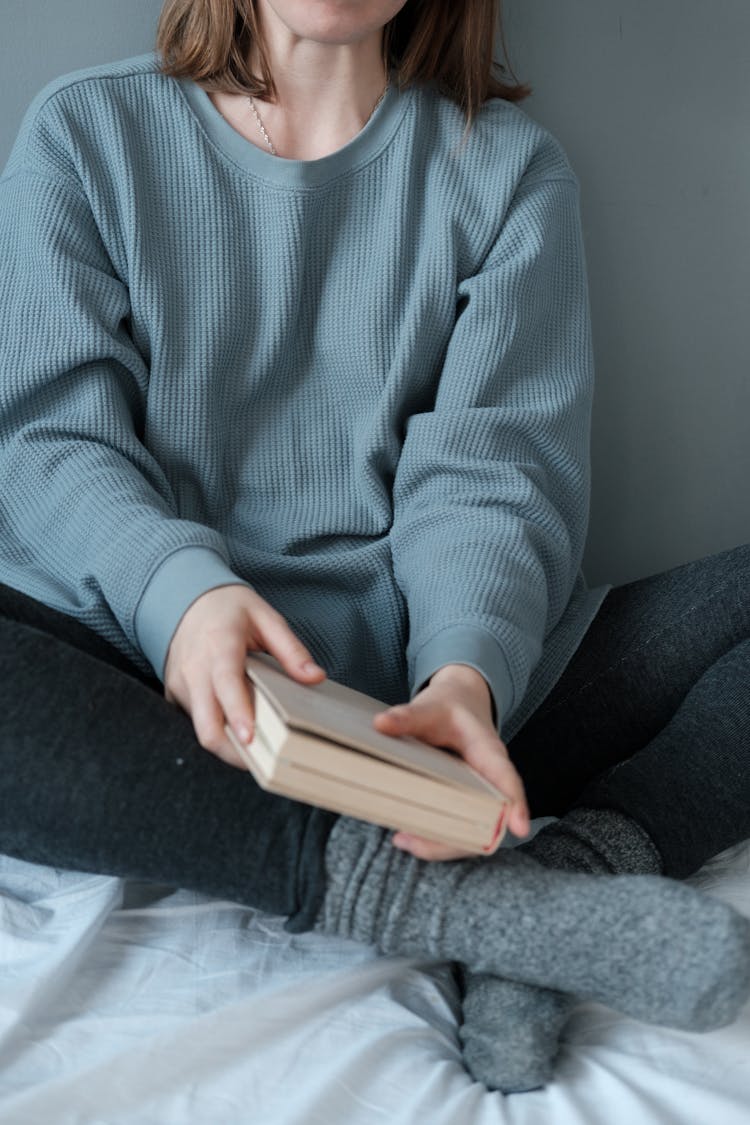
(205, 668)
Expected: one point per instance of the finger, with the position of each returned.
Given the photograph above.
(504, 776)
(208, 722)
(421, 848)
(430, 723)
(229, 755)
(519, 820)
(281, 642)
(235, 697)
(458, 729)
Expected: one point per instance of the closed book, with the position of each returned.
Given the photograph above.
(316, 743)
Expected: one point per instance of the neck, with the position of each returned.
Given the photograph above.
(326, 90)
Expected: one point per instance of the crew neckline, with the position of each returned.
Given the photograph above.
(368, 142)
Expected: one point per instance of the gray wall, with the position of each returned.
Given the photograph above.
(41, 39)
(652, 101)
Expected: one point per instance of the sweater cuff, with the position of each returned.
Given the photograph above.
(468, 644)
(171, 590)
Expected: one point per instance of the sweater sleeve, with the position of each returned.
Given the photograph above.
(90, 523)
(491, 493)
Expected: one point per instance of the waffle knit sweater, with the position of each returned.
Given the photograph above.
(359, 384)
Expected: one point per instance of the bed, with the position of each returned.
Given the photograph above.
(128, 1003)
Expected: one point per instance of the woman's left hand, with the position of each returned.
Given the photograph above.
(454, 710)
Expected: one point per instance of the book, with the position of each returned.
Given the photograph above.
(316, 743)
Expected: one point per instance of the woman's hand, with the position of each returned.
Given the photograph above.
(455, 710)
(205, 669)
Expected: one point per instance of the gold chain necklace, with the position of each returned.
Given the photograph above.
(268, 140)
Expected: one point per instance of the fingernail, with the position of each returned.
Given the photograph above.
(311, 666)
(244, 733)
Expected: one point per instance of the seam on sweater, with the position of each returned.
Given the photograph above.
(62, 179)
(74, 80)
(532, 181)
(519, 195)
(293, 188)
(77, 80)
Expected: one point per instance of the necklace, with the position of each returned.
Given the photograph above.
(262, 127)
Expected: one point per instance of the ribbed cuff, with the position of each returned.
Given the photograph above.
(467, 644)
(172, 589)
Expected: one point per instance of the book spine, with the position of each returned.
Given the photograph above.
(361, 769)
(387, 812)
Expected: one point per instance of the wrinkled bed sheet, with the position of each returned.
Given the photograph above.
(125, 1004)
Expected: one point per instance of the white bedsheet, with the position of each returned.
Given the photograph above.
(126, 1004)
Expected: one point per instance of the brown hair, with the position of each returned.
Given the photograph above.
(451, 43)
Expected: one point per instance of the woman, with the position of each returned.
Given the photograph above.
(296, 357)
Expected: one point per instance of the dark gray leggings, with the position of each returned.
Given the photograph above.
(652, 714)
(99, 773)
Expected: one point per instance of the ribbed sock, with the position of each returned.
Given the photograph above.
(511, 1031)
(646, 946)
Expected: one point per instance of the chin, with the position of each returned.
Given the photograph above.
(334, 21)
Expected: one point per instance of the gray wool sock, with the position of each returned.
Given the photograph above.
(647, 946)
(510, 1033)
(596, 840)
